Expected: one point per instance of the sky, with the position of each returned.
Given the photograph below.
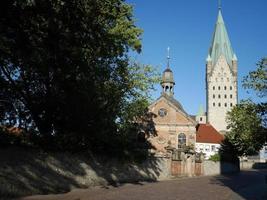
(186, 26)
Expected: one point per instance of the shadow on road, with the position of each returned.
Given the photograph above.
(246, 184)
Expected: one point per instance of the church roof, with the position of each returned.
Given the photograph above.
(221, 44)
(176, 103)
(206, 133)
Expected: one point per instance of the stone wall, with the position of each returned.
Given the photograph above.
(252, 164)
(216, 168)
(25, 172)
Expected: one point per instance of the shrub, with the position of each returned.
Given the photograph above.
(216, 157)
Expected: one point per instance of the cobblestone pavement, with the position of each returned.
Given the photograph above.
(244, 185)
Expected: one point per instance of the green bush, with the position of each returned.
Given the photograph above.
(216, 157)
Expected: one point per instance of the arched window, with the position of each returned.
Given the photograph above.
(181, 140)
(166, 88)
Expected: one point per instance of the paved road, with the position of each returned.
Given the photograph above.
(245, 185)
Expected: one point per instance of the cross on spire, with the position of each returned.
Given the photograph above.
(219, 4)
(168, 57)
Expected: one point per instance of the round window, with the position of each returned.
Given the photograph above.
(162, 112)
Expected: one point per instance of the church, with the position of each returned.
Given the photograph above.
(174, 126)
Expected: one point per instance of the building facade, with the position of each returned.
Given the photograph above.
(221, 77)
(174, 127)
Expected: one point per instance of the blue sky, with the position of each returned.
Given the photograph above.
(186, 26)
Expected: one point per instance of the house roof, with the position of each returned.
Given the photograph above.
(12, 130)
(206, 133)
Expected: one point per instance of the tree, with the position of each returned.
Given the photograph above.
(247, 122)
(257, 80)
(247, 134)
(64, 69)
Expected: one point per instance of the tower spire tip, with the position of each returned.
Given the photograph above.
(168, 57)
(219, 4)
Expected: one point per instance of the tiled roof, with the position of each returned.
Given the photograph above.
(13, 130)
(206, 133)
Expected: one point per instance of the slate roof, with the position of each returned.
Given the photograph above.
(206, 133)
(174, 102)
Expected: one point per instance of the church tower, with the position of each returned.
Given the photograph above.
(221, 77)
(167, 82)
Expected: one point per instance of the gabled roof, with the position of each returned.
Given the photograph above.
(175, 104)
(206, 133)
(221, 44)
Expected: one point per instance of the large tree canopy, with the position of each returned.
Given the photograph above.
(257, 80)
(247, 122)
(64, 69)
(247, 133)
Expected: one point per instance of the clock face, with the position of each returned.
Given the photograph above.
(162, 112)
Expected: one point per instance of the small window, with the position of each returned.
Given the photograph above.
(201, 119)
(224, 87)
(219, 96)
(219, 104)
(225, 105)
(181, 140)
(214, 96)
(231, 105)
(213, 104)
(207, 148)
(219, 88)
(213, 87)
(225, 96)
(231, 96)
(231, 87)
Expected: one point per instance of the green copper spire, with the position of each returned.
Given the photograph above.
(221, 44)
(200, 111)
